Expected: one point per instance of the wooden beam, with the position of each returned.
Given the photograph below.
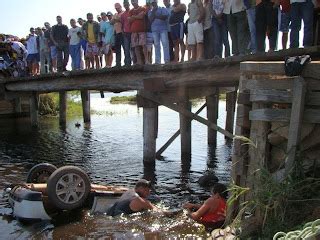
(230, 108)
(212, 115)
(299, 90)
(17, 105)
(149, 136)
(174, 136)
(185, 125)
(85, 98)
(174, 107)
(311, 70)
(62, 108)
(34, 110)
(271, 96)
(283, 115)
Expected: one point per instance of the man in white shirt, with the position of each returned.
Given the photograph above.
(74, 44)
(33, 57)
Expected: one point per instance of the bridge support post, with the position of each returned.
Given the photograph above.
(34, 110)
(185, 128)
(212, 115)
(17, 105)
(231, 99)
(150, 131)
(85, 97)
(62, 108)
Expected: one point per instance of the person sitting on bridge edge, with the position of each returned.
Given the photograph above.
(133, 200)
(212, 213)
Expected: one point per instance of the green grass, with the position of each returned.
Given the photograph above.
(124, 100)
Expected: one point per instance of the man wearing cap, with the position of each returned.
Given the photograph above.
(138, 35)
(158, 17)
(107, 37)
(133, 200)
(126, 33)
(116, 21)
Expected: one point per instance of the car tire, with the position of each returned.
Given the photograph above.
(68, 188)
(40, 173)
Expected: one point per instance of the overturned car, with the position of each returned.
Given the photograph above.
(50, 190)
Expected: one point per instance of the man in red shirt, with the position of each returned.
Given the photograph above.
(138, 35)
(126, 33)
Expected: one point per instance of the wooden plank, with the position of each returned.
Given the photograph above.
(212, 115)
(85, 98)
(149, 137)
(62, 108)
(174, 107)
(280, 84)
(185, 125)
(34, 110)
(17, 105)
(174, 136)
(299, 91)
(313, 98)
(283, 115)
(244, 98)
(311, 70)
(230, 108)
(272, 96)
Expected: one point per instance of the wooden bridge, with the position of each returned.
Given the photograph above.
(170, 85)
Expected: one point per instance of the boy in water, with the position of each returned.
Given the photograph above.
(212, 213)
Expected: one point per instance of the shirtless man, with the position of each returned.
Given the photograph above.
(133, 200)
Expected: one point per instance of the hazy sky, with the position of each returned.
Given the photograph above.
(17, 16)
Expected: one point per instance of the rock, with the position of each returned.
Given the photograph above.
(208, 180)
(278, 156)
(311, 160)
(312, 139)
(282, 129)
(275, 139)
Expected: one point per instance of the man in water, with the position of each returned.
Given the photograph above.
(133, 200)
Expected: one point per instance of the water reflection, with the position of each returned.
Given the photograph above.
(110, 151)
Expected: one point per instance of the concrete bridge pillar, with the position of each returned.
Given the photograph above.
(185, 128)
(62, 108)
(85, 97)
(150, 132)
(34, 110)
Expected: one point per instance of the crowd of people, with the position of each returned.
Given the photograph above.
(133, 31)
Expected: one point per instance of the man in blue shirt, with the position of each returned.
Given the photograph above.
(158, 17)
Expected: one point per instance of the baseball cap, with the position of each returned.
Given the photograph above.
(143, 183)
(109, 14)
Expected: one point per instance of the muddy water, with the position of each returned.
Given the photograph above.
(110, 151)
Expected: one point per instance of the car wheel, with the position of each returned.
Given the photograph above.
(68, 188)
(40, 173)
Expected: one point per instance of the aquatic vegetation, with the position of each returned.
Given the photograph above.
(124, 100)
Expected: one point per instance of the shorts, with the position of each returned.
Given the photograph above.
(106, 48)
(33, 58)
(149, 41)
(195, 33)
(53, 52)
(138, 39)
(92, 50)
(285, 22)
(177, 31)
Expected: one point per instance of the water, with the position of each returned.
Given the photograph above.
(110, 151)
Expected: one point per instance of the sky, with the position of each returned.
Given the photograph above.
(19, 15)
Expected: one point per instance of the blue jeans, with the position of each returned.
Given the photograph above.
(163, 37)
(301, 11)
(251, 15)
(220, 38)
(75, 56)
(127, 48)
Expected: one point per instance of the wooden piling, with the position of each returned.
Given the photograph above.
(62, 107)
(231, 99)
(150, 115)
(85, 97)
(185, 129)
(17, 105)
(212, 115)
(34, 110)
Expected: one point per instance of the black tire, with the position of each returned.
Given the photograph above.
(68, 188)
(40, 173)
